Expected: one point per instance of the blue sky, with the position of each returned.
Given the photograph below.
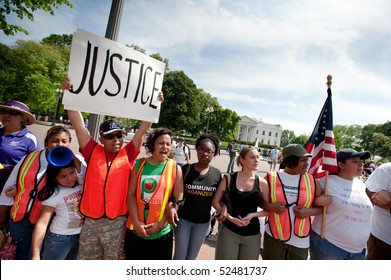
(267, 59)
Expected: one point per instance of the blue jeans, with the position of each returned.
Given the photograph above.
(21, 233)
(231, 164)
(60, 247)
(322, 249)
(189, 238)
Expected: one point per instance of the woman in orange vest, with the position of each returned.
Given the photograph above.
(294, 194)
(21, 188)
(155, 193)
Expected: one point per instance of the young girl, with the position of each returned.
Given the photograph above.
(60, 196)
(19, 196)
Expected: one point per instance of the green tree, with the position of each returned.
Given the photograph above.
(184, 109)
(350, 135)
(224, 122)
(287, 137)
(301, 139)
(338, 141)
(376, 139)
(25, 8)
(32, 72)
(181, 107)
(7, 70)
(386, 128)
(367, 136)
(380, 145)
(137, 48)
(156, 56)
(205, 100)
(58, 40)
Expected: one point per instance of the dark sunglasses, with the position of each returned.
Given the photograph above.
(9, 112)
(111, 136)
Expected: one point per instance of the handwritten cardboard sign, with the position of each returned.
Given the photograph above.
(111, 79)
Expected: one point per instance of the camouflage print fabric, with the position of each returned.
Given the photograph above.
(101, 239)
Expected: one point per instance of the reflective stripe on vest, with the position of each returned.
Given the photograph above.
(106, 188)
(277, 194)
(307, 185)
(280, 224)
(163, 189)
(27, 189)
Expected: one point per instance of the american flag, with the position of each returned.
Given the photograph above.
(321, 143)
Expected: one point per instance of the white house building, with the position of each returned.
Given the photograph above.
(252, 130)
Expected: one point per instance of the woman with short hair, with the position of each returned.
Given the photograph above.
(294, 195)
(200, 184)
(155, 192)
(347, 221)
(16, 140)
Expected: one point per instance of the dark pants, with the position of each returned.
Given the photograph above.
(377, 249)
(138, 248)
(274, 249)
(21, 233)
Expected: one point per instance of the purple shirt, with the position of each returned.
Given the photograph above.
(15, 146)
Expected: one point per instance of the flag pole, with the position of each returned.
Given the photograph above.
(326, 181)
(326, 191)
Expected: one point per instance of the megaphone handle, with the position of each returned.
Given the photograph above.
(77, 163)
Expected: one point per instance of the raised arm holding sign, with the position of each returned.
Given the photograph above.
(105, 189)
(118, 81)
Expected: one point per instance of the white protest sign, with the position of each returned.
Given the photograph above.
(111, 79)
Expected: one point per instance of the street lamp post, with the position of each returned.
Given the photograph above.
(209, 112)
(58, 92)
(112, 31)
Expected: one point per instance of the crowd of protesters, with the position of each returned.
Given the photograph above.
(107, 200)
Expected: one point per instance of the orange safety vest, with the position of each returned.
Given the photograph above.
(160, 197)
(106, 187)
(280, 224)
(27, 189)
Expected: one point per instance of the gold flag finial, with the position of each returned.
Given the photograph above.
(329, 82)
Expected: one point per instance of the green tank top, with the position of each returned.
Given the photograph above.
(150, 177)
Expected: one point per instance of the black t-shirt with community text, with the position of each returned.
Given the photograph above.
(199, 192)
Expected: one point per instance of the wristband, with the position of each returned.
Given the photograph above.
(178, 202)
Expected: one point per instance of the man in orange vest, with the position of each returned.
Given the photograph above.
(109, 166)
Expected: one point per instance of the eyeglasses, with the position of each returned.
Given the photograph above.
(10, 112)
(208, 152)
(112, 136)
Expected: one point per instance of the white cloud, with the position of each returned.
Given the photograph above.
(264, 59)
